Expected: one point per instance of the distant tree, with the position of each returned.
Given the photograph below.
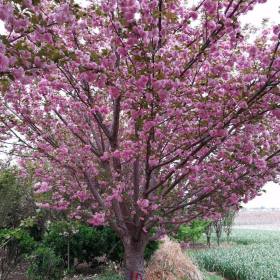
(16, 200)
(218, 228)
(228, 220)
(208, 232)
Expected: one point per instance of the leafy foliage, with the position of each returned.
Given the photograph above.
(109, 276)
(15, 198)
(192, 232)
(87, 244)
(45, 265)
(15, 244)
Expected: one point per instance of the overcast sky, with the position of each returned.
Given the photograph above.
(270, 199)
(270, 11)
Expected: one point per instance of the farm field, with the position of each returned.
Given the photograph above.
(250, 255)
(266, 219)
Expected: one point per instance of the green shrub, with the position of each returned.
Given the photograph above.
(192, 232)
(109, 276)
(14, 245)
(150, 249)
(19, 238)
(16, 201)
(59, 237)
(71, 240)
(45, 265)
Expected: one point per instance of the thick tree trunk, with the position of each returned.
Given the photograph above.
(134, 260)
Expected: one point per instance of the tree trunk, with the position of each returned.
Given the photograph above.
(134, 260)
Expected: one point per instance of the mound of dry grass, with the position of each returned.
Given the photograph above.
(170, 263)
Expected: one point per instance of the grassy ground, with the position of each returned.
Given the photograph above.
(251, 255)
(104, 276)
(207, 276)
(210, 276)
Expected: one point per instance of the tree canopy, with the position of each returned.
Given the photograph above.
(142, 114)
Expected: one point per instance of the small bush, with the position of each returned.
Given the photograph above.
(17, 238)
(87, 244)
(45, 265)
(192, 232)
(109, 276)
(14, 245)
(82, 242)
(15, 198)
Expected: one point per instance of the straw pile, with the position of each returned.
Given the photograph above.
(170, 263)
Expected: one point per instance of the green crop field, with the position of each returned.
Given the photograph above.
(251, 255)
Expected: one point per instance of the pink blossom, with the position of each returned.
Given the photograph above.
(62, 14)
(276, 29)
(42, 187)
(21, 24)
(276, 113)
(141, 83)
(252, 51)
(194, 15)
(63, 150)
(18, 73)
(105, 156)
(210, 6)
(143, 204)
(153, 162)
(243, 105)
(114, 92)
(43, 205)
(4, 63)
(218, 133)
(97, 219)
(5, 12)
(2, 48)
(82, 196)
(234, 199)
(260, 163)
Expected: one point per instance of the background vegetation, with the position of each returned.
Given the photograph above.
(250, 255)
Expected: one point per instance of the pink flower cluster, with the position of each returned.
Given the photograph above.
(97, 219)
(143, 113)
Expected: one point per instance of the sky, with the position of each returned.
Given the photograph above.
(270, 199)
(269, 10)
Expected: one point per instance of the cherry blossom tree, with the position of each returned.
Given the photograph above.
(140, 114)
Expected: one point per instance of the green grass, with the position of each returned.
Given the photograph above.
(258, 259)
(109, 277)
(208, 276)
(251, 236)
